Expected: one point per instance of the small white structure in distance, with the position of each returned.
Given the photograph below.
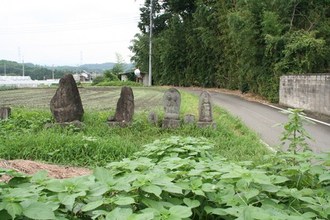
(25, 82)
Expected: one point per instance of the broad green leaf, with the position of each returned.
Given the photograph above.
(208, 187)
(98, 190)
(196, 183)
(103, 175)
(172, 188)
(261, 178)
(252, 213)
(98, 213)
(173, 217)
(324, 177)
(91, 206)
(69, 200)
(14, 209)
(270, 188)
(199, 192)
(55, 186)
(279, 179)
(39, 210)
(215, 211)
(154, 205)
(142, 216)
(307, 199)
(119, 214)
(40, 176)
(180, 211)
(191, 203)
(250, 193)
(231, 175)
(124, 201)
(156, 190)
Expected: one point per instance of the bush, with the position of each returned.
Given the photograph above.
(98, 79)
(177, 178)
(110, 76)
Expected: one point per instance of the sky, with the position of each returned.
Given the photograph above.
(67, 32)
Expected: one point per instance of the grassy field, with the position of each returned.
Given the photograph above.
(24, 136)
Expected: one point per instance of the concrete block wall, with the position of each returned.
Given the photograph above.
(308, 92)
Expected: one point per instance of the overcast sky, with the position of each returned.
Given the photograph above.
(67, 32)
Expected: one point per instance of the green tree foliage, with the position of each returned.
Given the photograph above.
(36, 72)
(235, 44)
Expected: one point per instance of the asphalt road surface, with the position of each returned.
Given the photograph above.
(263, 120)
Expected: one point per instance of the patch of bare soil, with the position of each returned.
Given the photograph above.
(54, 171)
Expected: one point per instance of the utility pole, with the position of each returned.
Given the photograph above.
(150, 44)
(4, 68)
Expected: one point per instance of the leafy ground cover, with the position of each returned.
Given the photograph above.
(177, 178)
(24, 136)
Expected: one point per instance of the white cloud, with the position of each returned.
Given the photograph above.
(62, 32)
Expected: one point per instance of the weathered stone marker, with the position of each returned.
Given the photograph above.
(125, 108)
(205, 110)
(5, 112)
(172, 102)
(66, 105)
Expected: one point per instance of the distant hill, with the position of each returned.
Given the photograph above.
(99, 68)
(36, 72)
(45, 72)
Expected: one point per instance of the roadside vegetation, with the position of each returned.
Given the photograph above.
(177, 178)
(246, 45)
(24, 136)
(145, 172)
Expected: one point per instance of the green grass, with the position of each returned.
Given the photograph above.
(24, 136)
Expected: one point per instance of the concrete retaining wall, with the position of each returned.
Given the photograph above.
(311, 93)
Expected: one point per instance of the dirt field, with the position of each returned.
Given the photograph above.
(93, 98)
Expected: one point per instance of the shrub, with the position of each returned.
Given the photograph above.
(177, 178)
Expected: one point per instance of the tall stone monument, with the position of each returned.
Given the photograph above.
(5, 112)
(66, 105)
(172, 102)
(125, 108)
(205, 110)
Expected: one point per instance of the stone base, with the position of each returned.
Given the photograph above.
(202, 124)
(171, 123)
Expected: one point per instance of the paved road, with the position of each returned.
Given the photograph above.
(263, 118)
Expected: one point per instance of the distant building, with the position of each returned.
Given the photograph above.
(83, 77)
(144, 77)
(24, 81)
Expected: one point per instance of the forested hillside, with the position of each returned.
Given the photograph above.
(36, 72)
(235, 44)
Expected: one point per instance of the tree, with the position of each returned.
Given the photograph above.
(235, 44)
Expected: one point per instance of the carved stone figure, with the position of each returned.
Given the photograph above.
(172, 102)
(205, 110)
